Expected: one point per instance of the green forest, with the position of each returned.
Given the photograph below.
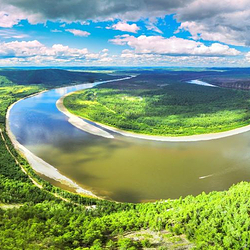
(36, 215)
(162, 106)
(49, 77)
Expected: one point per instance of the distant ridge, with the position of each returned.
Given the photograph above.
(52, 77)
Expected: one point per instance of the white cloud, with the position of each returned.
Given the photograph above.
(11, 33)
(151, 26)
(82, 10)
(21, 49)
(106, 60)
(247, 56)
(222, 33)
(173, 46)
(11, 15)
(225, 21)
(56, 31)
(6, 21)
(78, 32)
(35, 52)
(129, 57)
(123, 26)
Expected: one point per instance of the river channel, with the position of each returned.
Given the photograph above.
(124, 168)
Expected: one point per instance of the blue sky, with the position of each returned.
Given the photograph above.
(108, 32)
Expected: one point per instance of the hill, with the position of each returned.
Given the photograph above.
(49, 77)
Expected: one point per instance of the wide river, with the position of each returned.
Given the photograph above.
(123, 168)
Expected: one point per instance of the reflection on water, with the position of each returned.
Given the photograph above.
(198, 82)
(127, 169)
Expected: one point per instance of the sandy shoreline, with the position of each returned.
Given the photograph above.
(37, 163)
(190, 138)
(48, 170)
(44, 168)
(80, 123)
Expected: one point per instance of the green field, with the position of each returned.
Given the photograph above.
(162, 107)
(51, 218)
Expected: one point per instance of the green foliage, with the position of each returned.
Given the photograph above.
(218, 220)
(125, 243)
(15, 186)
(162, 107)
(27, 228)
(10, 94)
(4, 81)
(145, 243)
(49, 78)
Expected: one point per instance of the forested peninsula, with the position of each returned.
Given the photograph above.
(162, 106)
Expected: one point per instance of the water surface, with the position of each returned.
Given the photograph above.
(198, 82)
(127, 169)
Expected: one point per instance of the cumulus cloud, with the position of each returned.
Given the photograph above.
(78, 32)
(224, 21)
(7, 21)
(123, 26)
(11, 15)
(221, 33)
(173, 46)
(247, 56)
(36, 52)
(95, 9)
(20, 49)
(129, 57)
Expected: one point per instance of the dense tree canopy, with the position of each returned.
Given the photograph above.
(160, 105)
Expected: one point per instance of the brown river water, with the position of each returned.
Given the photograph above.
(123, 168)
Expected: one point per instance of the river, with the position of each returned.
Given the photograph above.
(124, 168)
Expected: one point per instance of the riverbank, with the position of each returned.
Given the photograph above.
(190, 138)
(42, 167)
(39, 165)
(80, 123)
